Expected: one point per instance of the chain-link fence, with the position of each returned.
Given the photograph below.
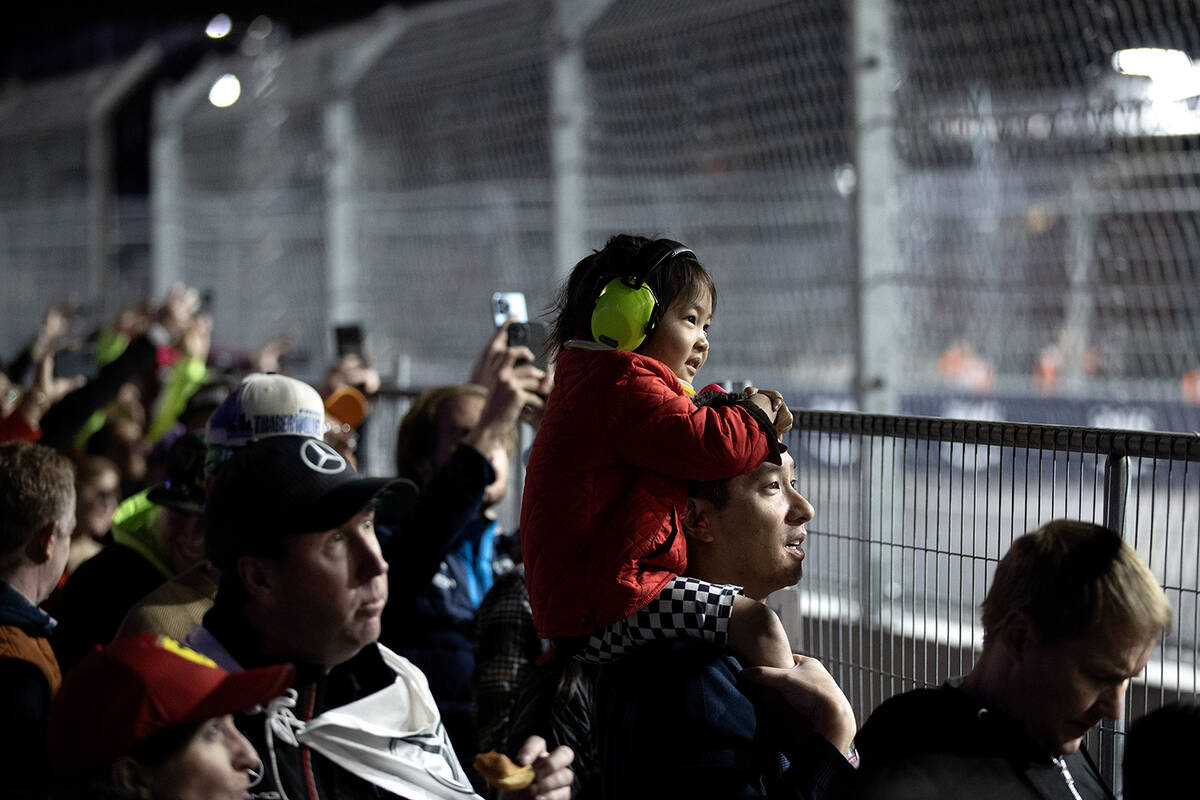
(1050, 199)
(897, 200)
(43, 158)
(1037, 217)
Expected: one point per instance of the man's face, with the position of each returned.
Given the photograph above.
(1063, 690)
(457, 417)
(680, 339)
(759, 533)
(213, 764)
(60, 550)
(183, 537)
(329, 590)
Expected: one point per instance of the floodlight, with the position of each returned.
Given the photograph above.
(225, 91)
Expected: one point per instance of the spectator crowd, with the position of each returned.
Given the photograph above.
(201, 596)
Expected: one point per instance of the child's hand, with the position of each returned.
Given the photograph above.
(777, 409)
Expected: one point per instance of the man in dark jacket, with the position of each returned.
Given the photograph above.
(672, 716)
(1071, 616)
(37, 515)
(303, 580)
(456, 443)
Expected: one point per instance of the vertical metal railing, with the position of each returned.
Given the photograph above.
(913, 513)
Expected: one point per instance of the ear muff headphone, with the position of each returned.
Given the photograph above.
(626, 309)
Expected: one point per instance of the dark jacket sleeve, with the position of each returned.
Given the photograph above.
(418, 540)
(67, 416)
(506, 648)
(25, 699)
(674, 723)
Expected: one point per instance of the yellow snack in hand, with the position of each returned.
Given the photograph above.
(501, 773)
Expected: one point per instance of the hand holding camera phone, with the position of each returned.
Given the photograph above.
(521, 332)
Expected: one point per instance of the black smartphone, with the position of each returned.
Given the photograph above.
(349, 339)
(531, 335)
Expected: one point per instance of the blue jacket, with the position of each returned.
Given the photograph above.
(440, 636)
(673, 722)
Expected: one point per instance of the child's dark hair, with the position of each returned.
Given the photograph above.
(682, 276)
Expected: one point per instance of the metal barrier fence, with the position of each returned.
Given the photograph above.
(1031, 211)
(913, 513)
(1005, 173)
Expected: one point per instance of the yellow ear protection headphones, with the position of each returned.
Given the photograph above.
(626, 309)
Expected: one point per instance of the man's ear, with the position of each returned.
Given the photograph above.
(1016, 633)
(129, 774)
(41, 546)
(695, 520)
(257, 576)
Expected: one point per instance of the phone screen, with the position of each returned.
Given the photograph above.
(509, 304)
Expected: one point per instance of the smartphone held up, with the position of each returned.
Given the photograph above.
(511, 307)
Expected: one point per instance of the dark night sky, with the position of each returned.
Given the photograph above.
(41, 41)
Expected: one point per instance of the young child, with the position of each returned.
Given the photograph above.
(621, 437)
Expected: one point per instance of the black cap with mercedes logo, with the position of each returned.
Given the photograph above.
(283, 486)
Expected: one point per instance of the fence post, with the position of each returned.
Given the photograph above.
(1116, 488)
(101, 178)
(568, 130)
(342, 142)
(1081, 297)
(167, 190)
(875, 249)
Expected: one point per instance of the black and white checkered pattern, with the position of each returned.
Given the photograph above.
(685, 607)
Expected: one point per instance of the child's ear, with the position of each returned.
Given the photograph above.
(695, 520)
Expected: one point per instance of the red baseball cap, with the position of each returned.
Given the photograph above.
(137, 686)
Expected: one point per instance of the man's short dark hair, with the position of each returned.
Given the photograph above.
(37, 488)
(717, 492)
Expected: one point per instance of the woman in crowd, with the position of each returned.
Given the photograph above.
(97, 492)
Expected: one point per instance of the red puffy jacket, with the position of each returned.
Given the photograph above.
(607, 482)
